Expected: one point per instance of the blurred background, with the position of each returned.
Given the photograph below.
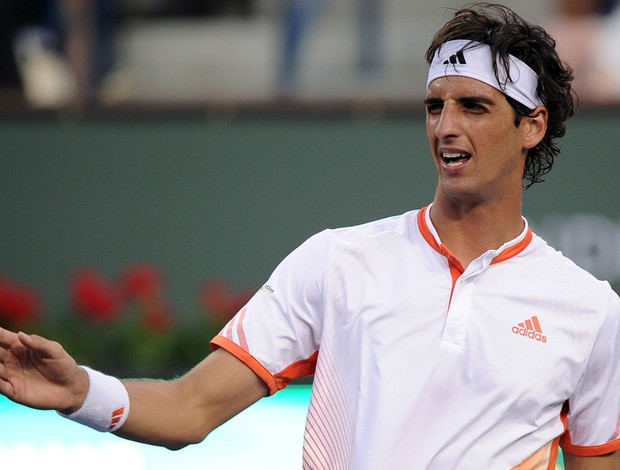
(182, 52)
(158, 158)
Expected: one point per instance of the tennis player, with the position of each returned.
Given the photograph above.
(448, 337)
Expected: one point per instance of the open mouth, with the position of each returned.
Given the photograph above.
(455, 159)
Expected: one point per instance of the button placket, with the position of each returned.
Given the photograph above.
(458, 313)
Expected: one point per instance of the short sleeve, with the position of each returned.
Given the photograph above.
(277, 334)
(594, 409)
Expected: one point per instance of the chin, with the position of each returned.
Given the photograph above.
(463, 193)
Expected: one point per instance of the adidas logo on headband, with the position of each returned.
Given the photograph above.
(454, 58)
(518, 80)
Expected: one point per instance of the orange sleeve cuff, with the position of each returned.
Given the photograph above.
(248, 360)
(588, 451)
(274, 382)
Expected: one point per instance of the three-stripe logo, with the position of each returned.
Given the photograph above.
(117, 415)
(530, 329)
(456, 58)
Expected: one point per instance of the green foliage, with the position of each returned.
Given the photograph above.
(126, 348)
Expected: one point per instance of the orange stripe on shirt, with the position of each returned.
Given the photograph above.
(515, 249)
(297, 369)
(456, 267)
(243, 342)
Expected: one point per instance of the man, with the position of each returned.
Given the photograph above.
(449, 337)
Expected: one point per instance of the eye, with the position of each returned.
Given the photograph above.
(433, 108)
(475, 106)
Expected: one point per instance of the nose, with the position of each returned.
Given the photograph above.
(447, 124)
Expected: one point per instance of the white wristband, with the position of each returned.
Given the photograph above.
(106, 406)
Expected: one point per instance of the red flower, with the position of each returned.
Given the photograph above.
(157, 318)
(18, 304)
(95, 297)
(142, 281)
(220, 302)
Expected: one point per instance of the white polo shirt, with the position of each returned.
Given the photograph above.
(420, 364)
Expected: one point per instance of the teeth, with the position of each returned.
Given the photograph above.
(452, 156)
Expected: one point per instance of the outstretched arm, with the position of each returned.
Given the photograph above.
(39, 373)
(181, 412)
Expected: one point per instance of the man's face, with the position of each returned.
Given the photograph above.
(478, 151)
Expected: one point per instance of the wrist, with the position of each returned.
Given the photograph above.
(105, 405)
(78, 392)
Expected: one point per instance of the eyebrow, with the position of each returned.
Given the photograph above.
(462, 100)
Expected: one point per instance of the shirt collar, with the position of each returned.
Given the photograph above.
(508, 250)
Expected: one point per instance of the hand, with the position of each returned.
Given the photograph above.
(39, 373)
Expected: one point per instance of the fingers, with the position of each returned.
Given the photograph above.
(3, 374)
(25, 339)
(8, 340)
(42, 346)
(7, 337)
(5, 387)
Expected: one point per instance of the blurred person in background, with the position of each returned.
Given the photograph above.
(14, 15)
(588, 38)
(299, 18)
(56, 52)
(88, 31)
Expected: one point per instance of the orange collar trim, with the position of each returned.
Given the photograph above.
(508, 253)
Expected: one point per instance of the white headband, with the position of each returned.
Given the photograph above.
(474, 59)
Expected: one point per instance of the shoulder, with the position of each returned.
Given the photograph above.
(397, 226)
(556, 263)
(561, 275)
(324, 247)
(371, 240)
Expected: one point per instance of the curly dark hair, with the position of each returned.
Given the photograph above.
(508, 33)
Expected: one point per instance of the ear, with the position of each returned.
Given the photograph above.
(534, 127)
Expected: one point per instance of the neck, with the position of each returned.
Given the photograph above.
(469, 230)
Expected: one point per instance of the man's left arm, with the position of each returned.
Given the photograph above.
(593, 420)
(599, 462)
